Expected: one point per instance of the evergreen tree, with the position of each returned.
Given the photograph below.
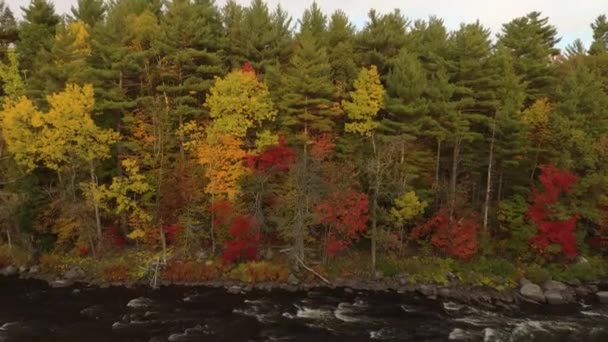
(90, 12)
(531, 40)
(8, 29)
(340, 38)
(307, 102)
(383, 36)
(315, 22)
(600, 35)
(36, 35)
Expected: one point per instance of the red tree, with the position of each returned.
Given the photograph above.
(244, 240)
(553, 231)
(458, 239)
(278, 157)
(345, 214)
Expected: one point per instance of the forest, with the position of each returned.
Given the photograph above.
(237, 141)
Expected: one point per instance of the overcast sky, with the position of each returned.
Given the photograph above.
(572, 18)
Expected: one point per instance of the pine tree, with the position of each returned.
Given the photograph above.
(8, 30)
(36, 35)
(340, 45)
(307, 102)
(90, 12)
(600, 36)
(383, 36)
(531, 40)
(315, 22)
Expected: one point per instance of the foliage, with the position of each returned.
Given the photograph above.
(190, 271)
(244, 240)
(260, 271)
(366, 101)
(457, 239)
(277, 157)
(496, 273)
(554, 230)
(407, 207)
(13, 256)
(345, 214)
(223, 158)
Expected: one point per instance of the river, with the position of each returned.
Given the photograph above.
(32, 311)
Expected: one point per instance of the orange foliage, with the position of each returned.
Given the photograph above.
(189, 271)
(223, 159)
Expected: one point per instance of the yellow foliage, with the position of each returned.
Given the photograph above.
(60, 138)
(264, 140)
(237, 103)
(536, 118)
(366, 101)
(223, 159)
(407, 207)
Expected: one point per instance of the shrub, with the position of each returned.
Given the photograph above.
(14, 256)
(191, 271)
(117, 271)
(595, 268)
(493, 272)
(426, 269)
(537, 274)
(262, 271)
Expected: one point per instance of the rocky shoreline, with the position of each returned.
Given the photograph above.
(550, 292)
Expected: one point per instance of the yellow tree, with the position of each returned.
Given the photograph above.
(64, 139)
(237, 103)
(361, 109)
(536, 120)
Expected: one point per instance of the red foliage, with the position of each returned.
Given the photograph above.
(172, 232)
(244, 240)
(458, 239)
(222, 212)
(115, 237)
(323, 147)
(346, 215)
(247, 67)
(278, 157)
(550, 231)
(83, 251)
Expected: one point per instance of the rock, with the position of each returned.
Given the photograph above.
(403, 280)
(451, 277)
(74, 273)
(533, 292)
(379, 274)
(583, 291)
(293, 280)
(602, 297)
(59, 283)
(140, 302)
(552, 285)
(555, 297)
(34, 269)
(235, 289)
(201, 256)
(574, 283)
(10, 270)
(444, 292)
(349, 290)
(22, 269)
(524, 281)
(429, 291)
(582, 260)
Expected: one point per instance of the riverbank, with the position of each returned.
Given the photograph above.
(550, 292)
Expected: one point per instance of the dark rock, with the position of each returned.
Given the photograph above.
(533, 292)
(553, 285)
(403, 280)
(602, 297)
(34, 269)
(234, 289)
(574, 283)
(349, 290)
(428, 291)
(555, 297)
(583, 291)
(444, 292)
(22, 269)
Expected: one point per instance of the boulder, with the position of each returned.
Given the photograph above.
(293, 280)
(532, 292)
(10, 270)
(403, 280)
(140, 302)
(34, 269)
(74, 273)
(602, 296)
(59, 283)
(22, 269)
(553, 285)
(555, 297)
(524, 281)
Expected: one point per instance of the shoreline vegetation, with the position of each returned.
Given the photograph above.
(180, 142)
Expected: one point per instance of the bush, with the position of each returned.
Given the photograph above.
(262, 271)
(117, 271)
(596, 268)
(14, 256)
(537, 274)
(191, 271)
(351, 264)
(427, 269)
(497, 273)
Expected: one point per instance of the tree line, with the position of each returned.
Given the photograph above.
(187, 126)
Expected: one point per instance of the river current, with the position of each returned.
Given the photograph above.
(32, 311)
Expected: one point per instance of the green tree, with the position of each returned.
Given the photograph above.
(600, 35)
(8, 29)
(340, 45)
(90, 12)
(531, 40)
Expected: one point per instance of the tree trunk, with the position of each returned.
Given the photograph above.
(95, 204)
(212, 233)
(486, 205)
(454, 177)
(374, 213)
(437, 165)
(9, 239)
(499, 194)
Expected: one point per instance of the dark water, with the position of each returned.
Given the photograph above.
(31, 311)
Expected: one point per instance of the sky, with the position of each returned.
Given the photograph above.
(572, 18)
